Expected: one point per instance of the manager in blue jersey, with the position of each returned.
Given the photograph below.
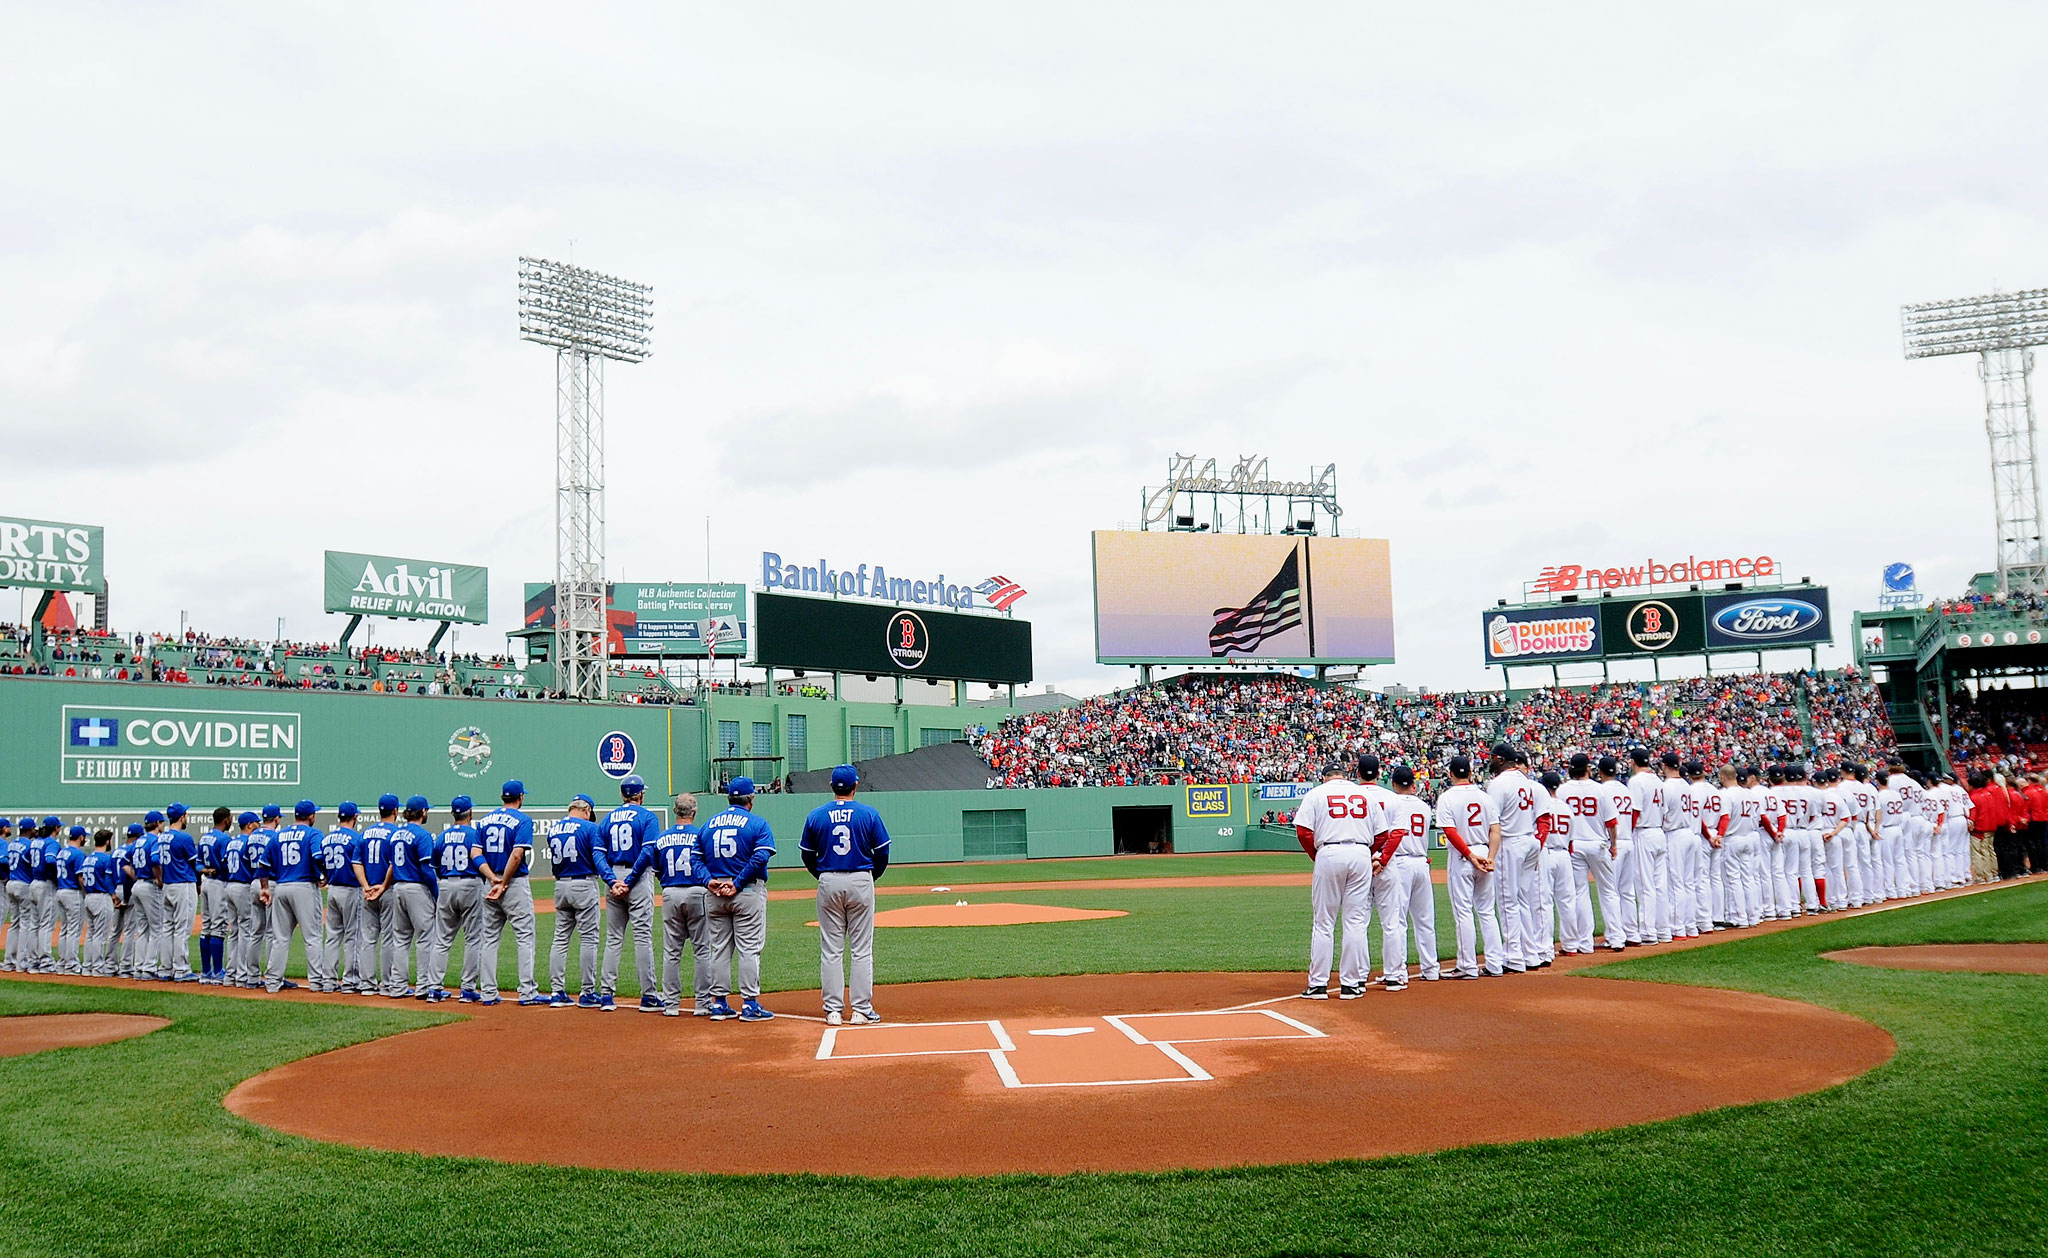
(846, 848)
(629, 830)
(737, 847)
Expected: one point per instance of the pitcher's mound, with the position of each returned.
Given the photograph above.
(40, 1032)
(986, 915)
(2003, 958)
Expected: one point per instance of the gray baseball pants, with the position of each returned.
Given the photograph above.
(99, 933)
(213, 907)
(635, 910)
(70, 918)
(373, 937)
(295, 906)
(17, 922)
(42, 898)
(461, 907)
(345, 939)
(514, 909)
(846, 928)
(579, 902)
(683, 913)
(174, 929)
(252, 924)
(410, 917)
(737, 925)
(145, 923)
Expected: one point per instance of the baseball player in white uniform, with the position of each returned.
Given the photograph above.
(1334, 822)
(1408, 899)
(1682, 852)
(1471, 827)
(1741, 813)
(1954, 867)
(1622, 806)
(1518, 866)
(1835, 827)
(1652, 883)
(1702, 802)
(1775, 830)
(1860, 802)
(1592, 843)
(1891, 840)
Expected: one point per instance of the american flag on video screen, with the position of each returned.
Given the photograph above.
(1276, 610)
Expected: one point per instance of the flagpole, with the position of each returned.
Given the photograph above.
(1308, 607)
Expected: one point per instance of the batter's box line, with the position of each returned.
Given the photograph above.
(1307, 1032)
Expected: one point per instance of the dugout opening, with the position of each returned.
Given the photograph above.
(1142, 830)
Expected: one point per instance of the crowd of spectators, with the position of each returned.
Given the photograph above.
(2021, 602)
(1213, 728)
(1998, 729)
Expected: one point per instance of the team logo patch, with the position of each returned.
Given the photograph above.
(469, 751)
(616, 754)
(1652, 626)
(909, 642)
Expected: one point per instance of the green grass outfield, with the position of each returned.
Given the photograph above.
(125, 1149)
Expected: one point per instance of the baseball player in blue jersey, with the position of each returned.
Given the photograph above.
(70, 902)
(627, 831)
(341, 855)
(737, 847)
(676, 857)
(20, 957)
(583, 872)
(213, 901)
(7, 896)
(290, 885)
(127, 917)
(42, 889)
(242, 856)
(99, 878)
(504, 844)
(179, 869)
(146, 923)
(460, 905)
(846, 848)
(376, 885)
(409, 915)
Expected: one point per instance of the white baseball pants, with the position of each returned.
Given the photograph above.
(1341, 889)
(1473, 892)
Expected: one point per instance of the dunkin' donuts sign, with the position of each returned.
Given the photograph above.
(1541, 635)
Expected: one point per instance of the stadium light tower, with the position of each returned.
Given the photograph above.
(2001, 329)
(587, 317)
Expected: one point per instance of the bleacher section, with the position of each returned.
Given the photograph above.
(942, 767)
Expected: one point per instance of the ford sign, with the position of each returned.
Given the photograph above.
(1763, 620)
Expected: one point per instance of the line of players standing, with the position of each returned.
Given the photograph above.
(1668, 854)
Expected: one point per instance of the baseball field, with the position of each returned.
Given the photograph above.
(1933, 1141)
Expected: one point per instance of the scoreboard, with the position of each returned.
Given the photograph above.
(843, 636)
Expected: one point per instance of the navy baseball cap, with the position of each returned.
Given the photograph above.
(633, 785)
(152, 817)
(1461, 765)
(247, 819)
(845, 775)
(78, 832)
(1669, 760)
(461, 804)
(513, 789)
(305, 808)
(1368, 766)
(175, 811)
(740, 788)
(1504, 751)
(346, 809)
(1608, 764)
(135, 829)
(584, 800)
(272, 812)
(53, 820)
(419, 802)
(1550, 780)
(1335, 769)
(1402, 775)
(386, 802)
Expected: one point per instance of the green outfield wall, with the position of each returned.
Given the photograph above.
(819, 733)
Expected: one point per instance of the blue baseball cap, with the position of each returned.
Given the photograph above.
(305, 808)
(845, 775)
(28, 823)
(460, 805)
(633, 785)
(175, 811)
(346, 808)
(419, 802)
(513, 789)
(385, 803)
(152, 818)
(585, 800)
(53, 821)
(78, 832)
(135, 828)
(6, 823)
(740, 788)
(247, 819)
(272, 812)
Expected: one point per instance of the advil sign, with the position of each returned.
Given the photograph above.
(417, 589)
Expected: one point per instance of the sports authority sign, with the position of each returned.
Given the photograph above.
(101, 744)
(410, 589)
(1571, 578)
(46, 555)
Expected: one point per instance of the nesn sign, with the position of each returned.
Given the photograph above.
(95, 731)
(1766, 619)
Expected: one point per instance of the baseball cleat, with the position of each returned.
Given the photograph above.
(751, 1011)
(531, 1001)
(719, 1011)
(1457, 974)
(653, 1004)
(560, 1000)
(1394, 984)
(186, 978)
(833, 1018)
(870, 1018)
(587, 1000)
(1348, 991)
(469, 996)
(672, 1011)
(487, 1001)
(1316, 993)
(605, 1004)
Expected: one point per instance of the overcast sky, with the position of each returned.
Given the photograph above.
(944, 286)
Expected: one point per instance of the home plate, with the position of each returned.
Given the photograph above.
(1066, 1030)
